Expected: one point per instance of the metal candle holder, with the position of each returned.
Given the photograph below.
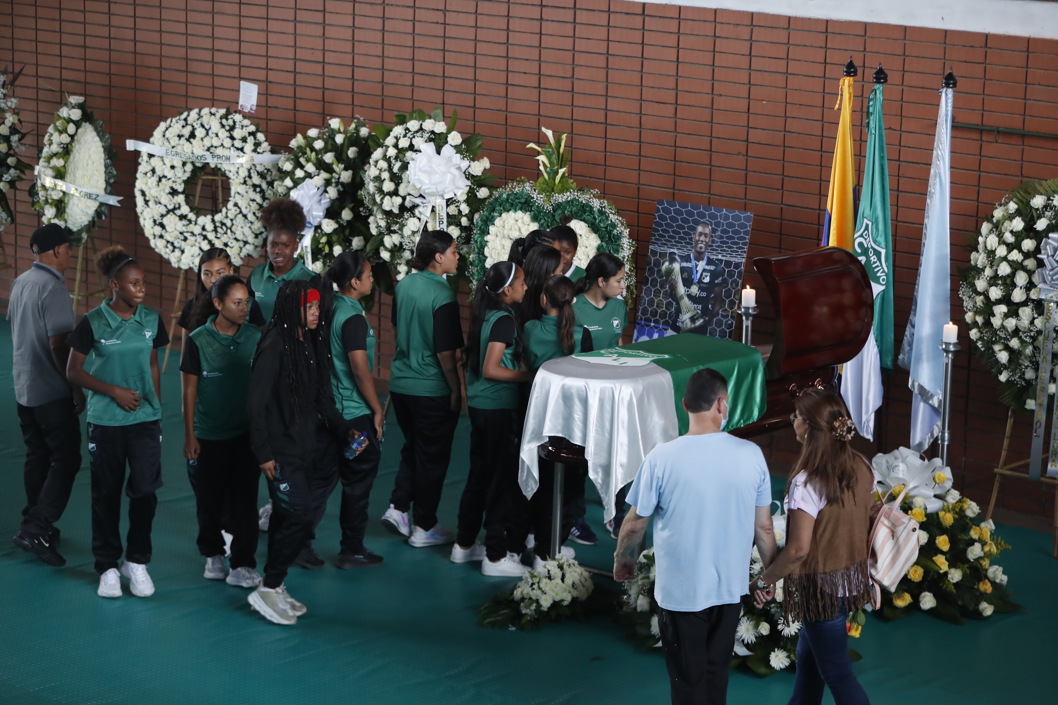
(748, 312)
(949, 350)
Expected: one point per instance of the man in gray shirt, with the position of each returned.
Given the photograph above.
(41, 315)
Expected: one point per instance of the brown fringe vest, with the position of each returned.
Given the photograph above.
(835, 569)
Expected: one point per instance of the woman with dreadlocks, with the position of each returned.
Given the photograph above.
(290, 389)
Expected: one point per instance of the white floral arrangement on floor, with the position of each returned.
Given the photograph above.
(333, 159)
(955, 577)
(77, 151)
(557, 589)
(1000, 289)
(11, 167)
(393, 201)
(173, 228)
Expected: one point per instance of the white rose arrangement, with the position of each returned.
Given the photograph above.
(85, 161)
(391, 199)
(1000, 289)
(11, 167)
(172, 227)
(333, 158)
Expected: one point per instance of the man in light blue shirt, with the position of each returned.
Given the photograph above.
(711, 495)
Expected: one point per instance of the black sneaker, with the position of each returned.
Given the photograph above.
(309, 559)
(39, 546)
(582, 533)
(366, 558)
(53, 537)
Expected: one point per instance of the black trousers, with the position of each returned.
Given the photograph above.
(295, 513)
(111, 448)
(357, 477)
(225, 478)
(541, 504)
(492, 497)
(52, 436)
(697, 648)
(428, 425)
(323, 475)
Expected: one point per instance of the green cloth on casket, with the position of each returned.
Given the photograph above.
(740, 364)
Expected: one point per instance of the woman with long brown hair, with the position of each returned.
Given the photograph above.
(824, 565)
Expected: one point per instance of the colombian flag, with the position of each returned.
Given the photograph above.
(840, 223)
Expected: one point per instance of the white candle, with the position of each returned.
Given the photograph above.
(951, 333)
(749, 298)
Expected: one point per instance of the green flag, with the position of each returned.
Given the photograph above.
(873, 239)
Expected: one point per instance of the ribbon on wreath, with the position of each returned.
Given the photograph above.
(1047, 276)
(314, 201)
(438, 176)
(201, 157)
(65, 187)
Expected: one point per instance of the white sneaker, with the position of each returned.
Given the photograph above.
(215, 569)
(508, 567)
(264, 517)
(396, 521)
(244, 577)
(563, 552)
(228, 537)
(140, 582)
(437, 536)
(110, 584)
(467, 555)
(296, 607)
(270, 605)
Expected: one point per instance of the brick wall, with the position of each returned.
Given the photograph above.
(725, 108)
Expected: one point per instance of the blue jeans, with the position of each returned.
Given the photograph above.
(823, 660)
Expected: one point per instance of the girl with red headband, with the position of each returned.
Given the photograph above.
(290, 390)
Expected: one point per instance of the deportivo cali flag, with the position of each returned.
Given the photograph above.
(838, 227)
(861, 380)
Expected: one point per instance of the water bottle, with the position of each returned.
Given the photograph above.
(355, 446)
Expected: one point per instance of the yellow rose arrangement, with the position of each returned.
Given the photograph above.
(943, 542)
(901, 599)
(918, 514)
(946, 518)
(915, 572)
(942, 563)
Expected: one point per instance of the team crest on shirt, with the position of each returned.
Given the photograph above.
(148, 334)
(616, 324)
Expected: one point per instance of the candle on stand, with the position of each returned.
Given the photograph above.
(749, 298)
(951, 333)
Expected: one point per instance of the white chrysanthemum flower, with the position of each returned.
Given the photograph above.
(923, 538)
(789, 629)
(1038, 201)
(779, 659)
(954, 575)
(985, 609)
(746, 632)
(926, 601)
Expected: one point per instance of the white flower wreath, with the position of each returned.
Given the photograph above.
(390, 198)
(172, 227)
(76, 150)
(11, 167)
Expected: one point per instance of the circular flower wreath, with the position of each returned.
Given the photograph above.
(1000, 289)
(332, 158)
(76, 150)
(519, 208)
(11, 167)
(171, 225)
(389, 197)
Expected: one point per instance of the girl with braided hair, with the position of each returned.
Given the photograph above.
(114, 357)
(825, 563)
(290, 390)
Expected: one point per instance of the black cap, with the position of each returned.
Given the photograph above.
(48, 237)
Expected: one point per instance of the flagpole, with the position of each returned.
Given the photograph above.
(949, 350)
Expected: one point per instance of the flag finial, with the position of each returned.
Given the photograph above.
(850, 68)
(880, 76)
(949, 79)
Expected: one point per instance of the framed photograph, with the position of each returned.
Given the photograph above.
(694, 271)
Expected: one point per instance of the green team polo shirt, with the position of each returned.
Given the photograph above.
(415, 369)
(541, 341)
(484, 393)
(576, 275)
(350, 400)
(121, 355)
(605, 324)
(265, 285)
(225, 367)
